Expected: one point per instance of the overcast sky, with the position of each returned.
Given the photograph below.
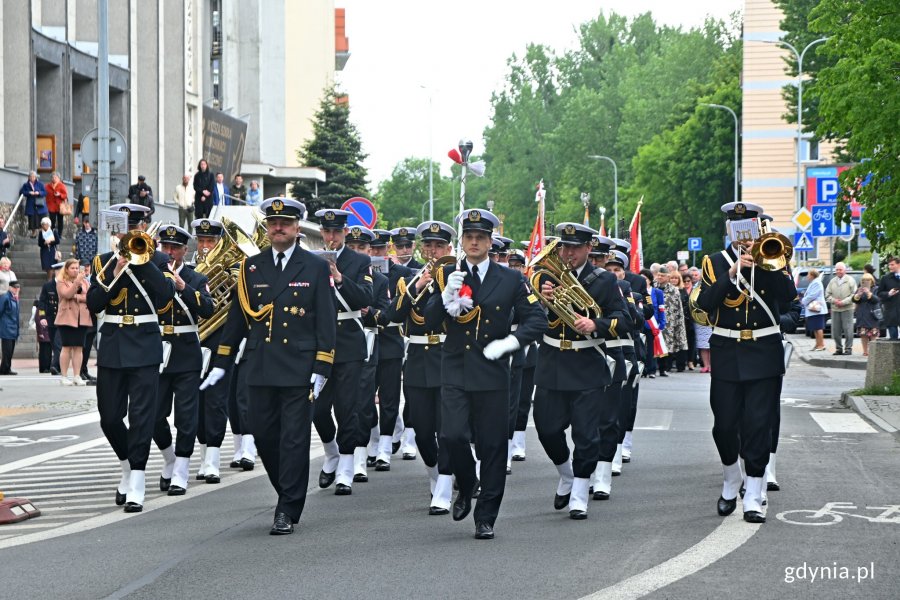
(458, 50)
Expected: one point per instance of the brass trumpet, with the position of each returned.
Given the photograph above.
(570, 300)
(434, 263)
(137, 247)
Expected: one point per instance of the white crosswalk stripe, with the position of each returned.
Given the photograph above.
(841, 423)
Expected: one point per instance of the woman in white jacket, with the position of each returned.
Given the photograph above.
(815, 309)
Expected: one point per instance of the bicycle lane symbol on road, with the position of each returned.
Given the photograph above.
(12, 441)
(834, 512)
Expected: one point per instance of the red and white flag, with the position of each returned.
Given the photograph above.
(636, 258)
(536, 241)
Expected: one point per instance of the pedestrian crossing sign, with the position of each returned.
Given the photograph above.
(803, 242)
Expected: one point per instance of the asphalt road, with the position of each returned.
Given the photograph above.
(658, 535)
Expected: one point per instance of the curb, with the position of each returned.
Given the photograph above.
(859, 405)
(836, 363)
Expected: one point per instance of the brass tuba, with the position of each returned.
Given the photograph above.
(221, 266)
(570, 300)
(772, 251)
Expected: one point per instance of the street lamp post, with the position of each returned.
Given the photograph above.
(799, 56)
(615, 190)
(430, 153)
(723, 107)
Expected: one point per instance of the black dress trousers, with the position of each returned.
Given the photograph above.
(131, 391)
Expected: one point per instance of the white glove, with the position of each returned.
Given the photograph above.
(450, 295)
(498, 348)
(214, 377)
(318, 382)
(455, 281)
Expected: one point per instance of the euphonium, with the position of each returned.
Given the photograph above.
(771, 251)
(137, 247)
(220, 266)
(570, 300)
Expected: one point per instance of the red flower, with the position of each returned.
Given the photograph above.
(465, 291)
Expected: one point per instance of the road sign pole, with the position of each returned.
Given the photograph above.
(103, 115)
(694, 259)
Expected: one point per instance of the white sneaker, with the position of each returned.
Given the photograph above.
(66, 381)
(78, 381)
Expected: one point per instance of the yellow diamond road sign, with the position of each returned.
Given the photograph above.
(803, 219)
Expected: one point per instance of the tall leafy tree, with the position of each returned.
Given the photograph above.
(402, 200)
(859, 105)
(336, 149)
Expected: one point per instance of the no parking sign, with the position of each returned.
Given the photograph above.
(362, 211)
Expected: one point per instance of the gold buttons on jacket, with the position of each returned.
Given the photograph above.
(487, 321)
(285, 309)
(285, 340)
(284, 324)
(467, 346)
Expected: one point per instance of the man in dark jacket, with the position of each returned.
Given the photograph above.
(48, 303)
(889, 294)
(9, 326)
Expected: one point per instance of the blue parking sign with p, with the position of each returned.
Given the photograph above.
(827, 190)
(695, 244)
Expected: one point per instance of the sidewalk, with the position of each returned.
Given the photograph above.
(883, 411)
(803, 349)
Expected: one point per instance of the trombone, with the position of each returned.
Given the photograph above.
(137, 247)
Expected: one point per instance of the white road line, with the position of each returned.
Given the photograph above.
(28, 525)
(56, 517)
(40, 458)
(656, 419)
(48, 477)
(64, 423)
(53, 509)
(841, 423)
(730, 535)
(37, 488)
(100, 492)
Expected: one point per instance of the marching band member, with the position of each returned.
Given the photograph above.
(475, 303)
(575, 387)
(129, 353)
(747, 358)
(284, 310)
(352, 292)
(516, 261)
(422, 370)
(404, 239)
(179, 381)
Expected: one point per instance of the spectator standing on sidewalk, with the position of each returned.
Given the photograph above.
(5, 240)
(254, 194)
(57, 196)
(687, 286)
(182, 198)
(48, 240)
(141, 193)
(35, 202)
(9, 327)
(889, 294)
(839, 294)
(42, 336)
(6, 274)
(238, 189)
(48, 305)
(204, 182)
(72, 319)
(867, 323)
(815, 309)
(86, 241)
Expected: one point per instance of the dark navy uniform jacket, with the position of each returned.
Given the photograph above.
(585, 369)
(390, 341)
(423, 361)
(743, 359)
(501, 292)
(381, 300)
(287, 318)
(356, 289)
(639, 286)
(130, 345)
(186, 355)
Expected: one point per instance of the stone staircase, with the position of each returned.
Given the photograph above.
(26, 264)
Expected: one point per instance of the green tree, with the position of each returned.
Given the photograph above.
(336, 149)
(859, 105)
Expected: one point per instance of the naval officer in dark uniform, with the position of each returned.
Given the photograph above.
(422, 370)
(284, 310)
(476, 300)
(747, 358)
(574, 386)
(129, 352)
(352, 292)
(179, 381)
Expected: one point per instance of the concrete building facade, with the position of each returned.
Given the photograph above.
(769, 142)
(264, 61)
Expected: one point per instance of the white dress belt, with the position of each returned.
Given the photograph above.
(746, 334)
(619, 343)
(572, 344)
(130, 319)
(343, 316)
(427, 340)
(175, 329)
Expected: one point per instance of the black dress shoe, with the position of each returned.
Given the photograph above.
(598, 495)
(409, 456)
(509, 470)
(88, 377)
(164, 484)
(772, 486)
(838, 352)
(395, 446)
(476, 491)
(462, 506)
(213, 479)
(120, 498)
(54, 371)
(753, 516)
(282, 525)
(626, 459)
(578, 515)
(381, 465)
(235, 464)
(518, 458)
(725, 507)
(560, 502)
(133, 507)
(326, 479)
(370, 461)
(437, 510)
(663, 374)
(92, 382)
(247, 464)
(360, 478)
(200, 477)
(342, 490)
(846, 353)
(177, 490)
(484, 531)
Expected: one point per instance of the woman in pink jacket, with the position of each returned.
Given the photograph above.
(72, 318)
